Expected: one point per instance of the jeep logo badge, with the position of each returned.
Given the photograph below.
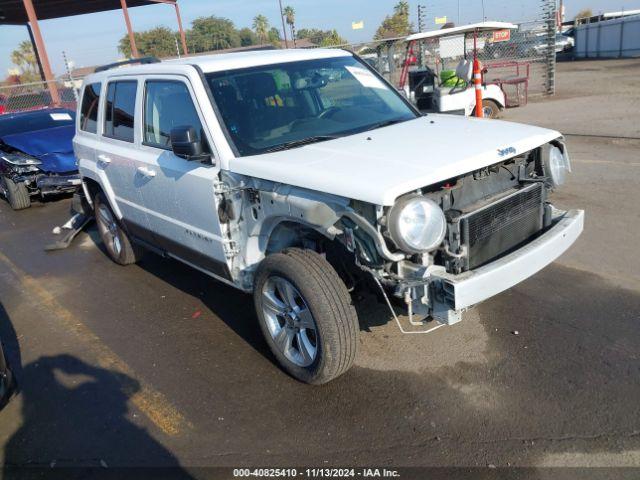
(503, 152)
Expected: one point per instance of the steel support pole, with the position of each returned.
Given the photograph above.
(550, 12)
(35, 50)
(127, 21)
(42, 52)
(183, 38)
(284, 30)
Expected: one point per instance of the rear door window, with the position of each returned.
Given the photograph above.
(120, 110)
(89, 109)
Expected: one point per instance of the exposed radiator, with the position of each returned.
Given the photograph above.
(497, 228)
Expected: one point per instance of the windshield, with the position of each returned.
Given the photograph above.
(286, 105)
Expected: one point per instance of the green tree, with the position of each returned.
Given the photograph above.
(396, 25)
(290, 16)
(584, 13)
(332, 39)
(321, 37)
(261, 27)
(25, 59)
(402, 8)
(273, 35)
(247, 37)
(212, 33)
(158, 42)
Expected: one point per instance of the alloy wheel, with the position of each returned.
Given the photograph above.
(290, 321)
(109, 230)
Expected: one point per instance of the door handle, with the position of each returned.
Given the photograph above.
(103, 159)
(146, 172)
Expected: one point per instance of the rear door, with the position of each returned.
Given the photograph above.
(178, 195)
(87, 137)
(117, 151)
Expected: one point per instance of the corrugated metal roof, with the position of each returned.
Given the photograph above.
(12, 12)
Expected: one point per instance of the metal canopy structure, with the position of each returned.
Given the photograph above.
(12, 12)
(29, 12)
(474, 27)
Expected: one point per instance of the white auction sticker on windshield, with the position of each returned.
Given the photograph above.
(366, 78)
(58, 117)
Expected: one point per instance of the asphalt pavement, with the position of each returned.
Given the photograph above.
(157, 365)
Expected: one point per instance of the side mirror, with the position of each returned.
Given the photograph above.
(185, 143)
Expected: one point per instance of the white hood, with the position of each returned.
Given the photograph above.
(380, 165)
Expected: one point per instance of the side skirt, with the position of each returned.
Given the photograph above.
(166, 247)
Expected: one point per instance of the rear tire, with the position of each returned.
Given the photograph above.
(490, 109)
(119, 246)
(17, 194)
(306, 315)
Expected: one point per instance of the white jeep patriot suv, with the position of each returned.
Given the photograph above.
(302, 176)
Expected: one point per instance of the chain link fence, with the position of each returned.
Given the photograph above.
(522, 61)
(38, 95)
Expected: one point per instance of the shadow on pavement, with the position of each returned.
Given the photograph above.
(232, 306)
(236, 308)
(75, 421)
(566, 384)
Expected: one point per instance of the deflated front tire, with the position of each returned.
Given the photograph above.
(17, 194)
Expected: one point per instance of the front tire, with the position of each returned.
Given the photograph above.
(116, 241)
(306, 315)
(17, 194)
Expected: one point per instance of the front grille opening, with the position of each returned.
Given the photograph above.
(500, 227)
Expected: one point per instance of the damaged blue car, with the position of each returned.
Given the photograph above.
(36, 155)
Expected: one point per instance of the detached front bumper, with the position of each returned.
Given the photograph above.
(52, 184)
(469, 288)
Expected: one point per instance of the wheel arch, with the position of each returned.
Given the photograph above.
(92, 186)
(287, 233)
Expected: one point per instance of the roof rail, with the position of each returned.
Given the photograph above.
(141, 61)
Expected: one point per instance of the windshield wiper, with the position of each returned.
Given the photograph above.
(300, 143)
(386, 123)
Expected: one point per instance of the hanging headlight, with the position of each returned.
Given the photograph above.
(417, 224)
(557, 165)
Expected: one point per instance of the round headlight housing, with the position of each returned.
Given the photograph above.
(417, 224)
(557, 165)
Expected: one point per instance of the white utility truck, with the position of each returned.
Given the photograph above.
(302, 177)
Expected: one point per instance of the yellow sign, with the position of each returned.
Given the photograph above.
(357, 25)
(441, 20)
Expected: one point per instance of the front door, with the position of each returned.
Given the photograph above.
(178, 194)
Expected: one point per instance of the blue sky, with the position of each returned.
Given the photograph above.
(92, 39)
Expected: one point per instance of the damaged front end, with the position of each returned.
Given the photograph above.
(29, 170)
(436, 251)
(465, 239)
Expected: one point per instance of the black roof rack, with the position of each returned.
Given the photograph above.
(141, 61)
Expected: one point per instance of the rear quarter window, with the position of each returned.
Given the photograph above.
(89, 109)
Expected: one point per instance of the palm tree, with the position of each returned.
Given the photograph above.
(290, 15)
(261, 27)
(24, 57)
